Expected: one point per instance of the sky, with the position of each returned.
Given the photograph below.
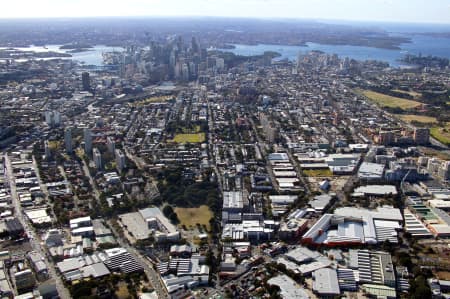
(412, 11)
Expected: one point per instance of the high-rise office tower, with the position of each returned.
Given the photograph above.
(87, 141)
(68, 140)
(86, 81)
(120, 160)
(97, 156)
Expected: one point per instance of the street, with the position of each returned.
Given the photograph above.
(148, 268)
(35, 239)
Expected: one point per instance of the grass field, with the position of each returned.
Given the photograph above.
(389, 101)
(192, 216)
(441, 134)
(122, 291)
(317, 172)
(419, 118)
(150, 100)
(189, 138)
(53, 145)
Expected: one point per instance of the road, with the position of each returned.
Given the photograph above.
(299, 172)
(140, 163)
(75, 198)
(153, 277)
(91, 181)
(151, 273)
(35, 240)
(262, 149)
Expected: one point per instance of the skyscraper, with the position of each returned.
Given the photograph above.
(48, 153)
(421, 135)
(97, 158)
(120, 160)
(68, 140)
(111, 144)
(86, 81)
(87, 141)
(52, 118)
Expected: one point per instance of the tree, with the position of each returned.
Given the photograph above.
(387, 246)
(167, 210)
(174, 218)
(419, 288)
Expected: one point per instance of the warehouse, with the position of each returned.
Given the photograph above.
(353, 226)
(325, 282)
(371, 171)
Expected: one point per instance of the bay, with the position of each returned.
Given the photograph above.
(93, 56)
(420, 45)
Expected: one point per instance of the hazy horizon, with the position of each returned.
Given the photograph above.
(384, 11)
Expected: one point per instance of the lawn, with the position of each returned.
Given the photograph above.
(389, 101)
(53, 145)
(419, 118)
(317, 172)
(157, 99)
(441, 134)
(189, 138)
(122, 291)
(192, 216)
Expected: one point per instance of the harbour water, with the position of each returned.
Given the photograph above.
(420, 44)
(93, 56)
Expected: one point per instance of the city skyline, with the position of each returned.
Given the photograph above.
(415, 11)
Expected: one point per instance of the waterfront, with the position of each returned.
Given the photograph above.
(420, 44)
(92, 56)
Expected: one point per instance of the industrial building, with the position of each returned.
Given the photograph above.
(374, 267)
(289, 288)
(352, 226)
(140, 225)
(325, 282)
(375, 190)
(370, 172)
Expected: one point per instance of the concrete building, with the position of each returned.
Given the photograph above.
(47, 151)
(444, 170)
(120, 160)
(349, 226)
(38, 265)
(371, 172)
(233, 201)
(150, 221)
(111, 144)
(289, 288)
(293, 228)
(52, 118)
(320, 202)
(325, 282)
(97, 156)
(280, 203)
(386, 138)
(375, 267)
(81, 227)
(87, 141)
(24, 279)
(119, 259)
(375, 190)
(68, 140)
(86, 81)
(421, 136)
